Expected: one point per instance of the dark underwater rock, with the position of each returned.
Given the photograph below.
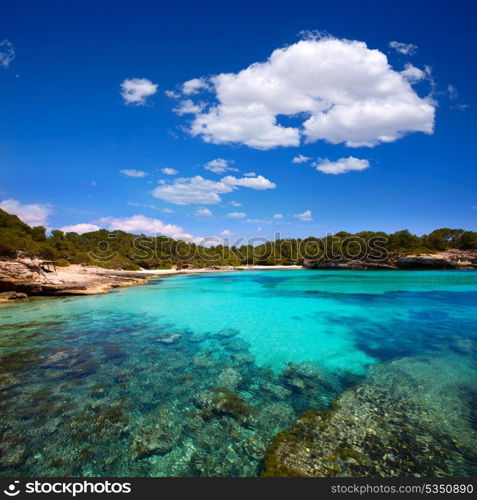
(7, 381)
(62, 359)
(243, 358)
(227, 333)
(158, 436)
(196, 338)
(303, 377)
(229, 378)
(220, 402)
(277, 391)
(236, 345)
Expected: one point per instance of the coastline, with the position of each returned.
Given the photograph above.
(24, 278)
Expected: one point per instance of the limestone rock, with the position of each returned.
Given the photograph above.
(10, 296)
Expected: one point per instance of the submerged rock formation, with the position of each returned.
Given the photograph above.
(411, 418)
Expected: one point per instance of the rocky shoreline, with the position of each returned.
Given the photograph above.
(24, 277)
(450, 259)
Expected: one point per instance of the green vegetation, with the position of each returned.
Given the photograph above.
(120, 250)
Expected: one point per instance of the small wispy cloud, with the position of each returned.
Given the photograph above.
(413, 74)
(341, 166)
(131, 172)
(237, 215)
(194, 86)
(150, 206)
(7, 53)
(306, 216)
(408, 49)
(301, 159)
(169, 171)
(203, 212)
(219, 166)
(452, 92)
(188, 107)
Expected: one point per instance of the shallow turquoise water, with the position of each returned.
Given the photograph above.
(193, 375)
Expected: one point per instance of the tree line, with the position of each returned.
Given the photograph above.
(121, 250)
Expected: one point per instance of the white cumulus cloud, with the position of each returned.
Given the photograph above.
(7, 53)
(342, 91)
(306, 216)
(137, 90)
(278, 216)
(197, 190)
(237, 215)
(34, 214)
(131, 172)
(259, 182)
(340, 166)
(408, 49)
(186, 191)
(226, 232)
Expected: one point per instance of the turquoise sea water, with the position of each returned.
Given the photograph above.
(193, 375)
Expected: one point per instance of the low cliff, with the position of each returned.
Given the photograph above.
(450, 259)
(27, 276)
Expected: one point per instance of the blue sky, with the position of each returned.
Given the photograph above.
(400, 119)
